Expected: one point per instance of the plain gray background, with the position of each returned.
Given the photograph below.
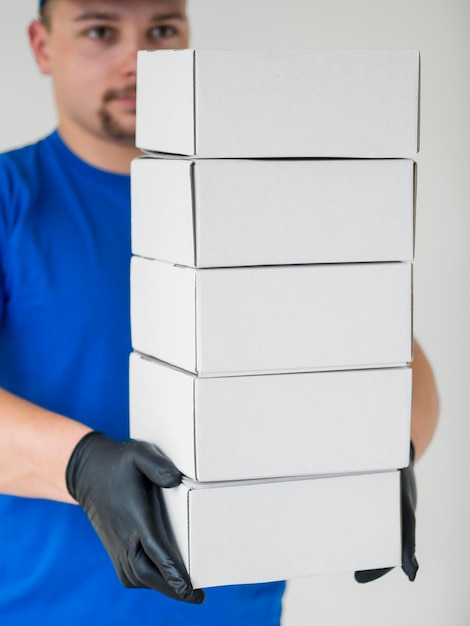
(440, 30)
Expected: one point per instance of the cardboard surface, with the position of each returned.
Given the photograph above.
(279, 103)
(231, 213)
(247, 533)
(248, 427)
(235, 321)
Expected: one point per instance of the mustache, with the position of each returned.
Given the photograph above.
(113, 94)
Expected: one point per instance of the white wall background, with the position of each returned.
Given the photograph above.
(440, 29)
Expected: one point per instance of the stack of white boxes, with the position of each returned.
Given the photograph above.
(271, 303)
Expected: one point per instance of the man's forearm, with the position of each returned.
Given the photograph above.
(425, 405)
(35, 446)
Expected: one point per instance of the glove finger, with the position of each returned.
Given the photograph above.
(368, 575)
(408, 482)
(137, 572)
(408, 504)
(410, 567)
(159, 545)
(155, 465)
(145, 574)
(409, 562)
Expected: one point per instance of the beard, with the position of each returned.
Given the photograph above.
(111, 127)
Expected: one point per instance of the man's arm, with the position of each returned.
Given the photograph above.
(46, 455)
(424, 414)
(35, 447)
(425, 404)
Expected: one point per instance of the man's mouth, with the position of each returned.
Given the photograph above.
(126, 96)
(128, 100)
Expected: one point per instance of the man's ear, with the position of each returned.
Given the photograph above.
(39, 41)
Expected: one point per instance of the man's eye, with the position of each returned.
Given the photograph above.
(162, 32)
(100, 33)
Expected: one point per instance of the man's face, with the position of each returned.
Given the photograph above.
(90, 51)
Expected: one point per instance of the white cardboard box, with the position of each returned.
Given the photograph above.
(228, 212)
(251, 427)
(278, 103)
(246, 533)
(254, 320)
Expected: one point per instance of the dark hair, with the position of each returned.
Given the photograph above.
(45, 14)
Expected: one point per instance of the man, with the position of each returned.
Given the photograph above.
(64, 346)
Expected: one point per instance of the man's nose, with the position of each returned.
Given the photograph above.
(128, 62)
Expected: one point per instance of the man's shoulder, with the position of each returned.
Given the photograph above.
(24, 153)
(21, 179)
(21, 163)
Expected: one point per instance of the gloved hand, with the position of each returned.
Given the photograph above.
(408, 508)
(118, 485)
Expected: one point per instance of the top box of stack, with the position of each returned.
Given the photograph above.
(279, 103)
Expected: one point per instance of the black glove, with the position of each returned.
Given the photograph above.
(118, 485)
(408, 508)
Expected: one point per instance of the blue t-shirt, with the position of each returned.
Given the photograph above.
(64, 344)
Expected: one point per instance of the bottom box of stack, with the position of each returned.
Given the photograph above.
(247, 532)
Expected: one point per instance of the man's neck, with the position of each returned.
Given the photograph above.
(102, 153)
